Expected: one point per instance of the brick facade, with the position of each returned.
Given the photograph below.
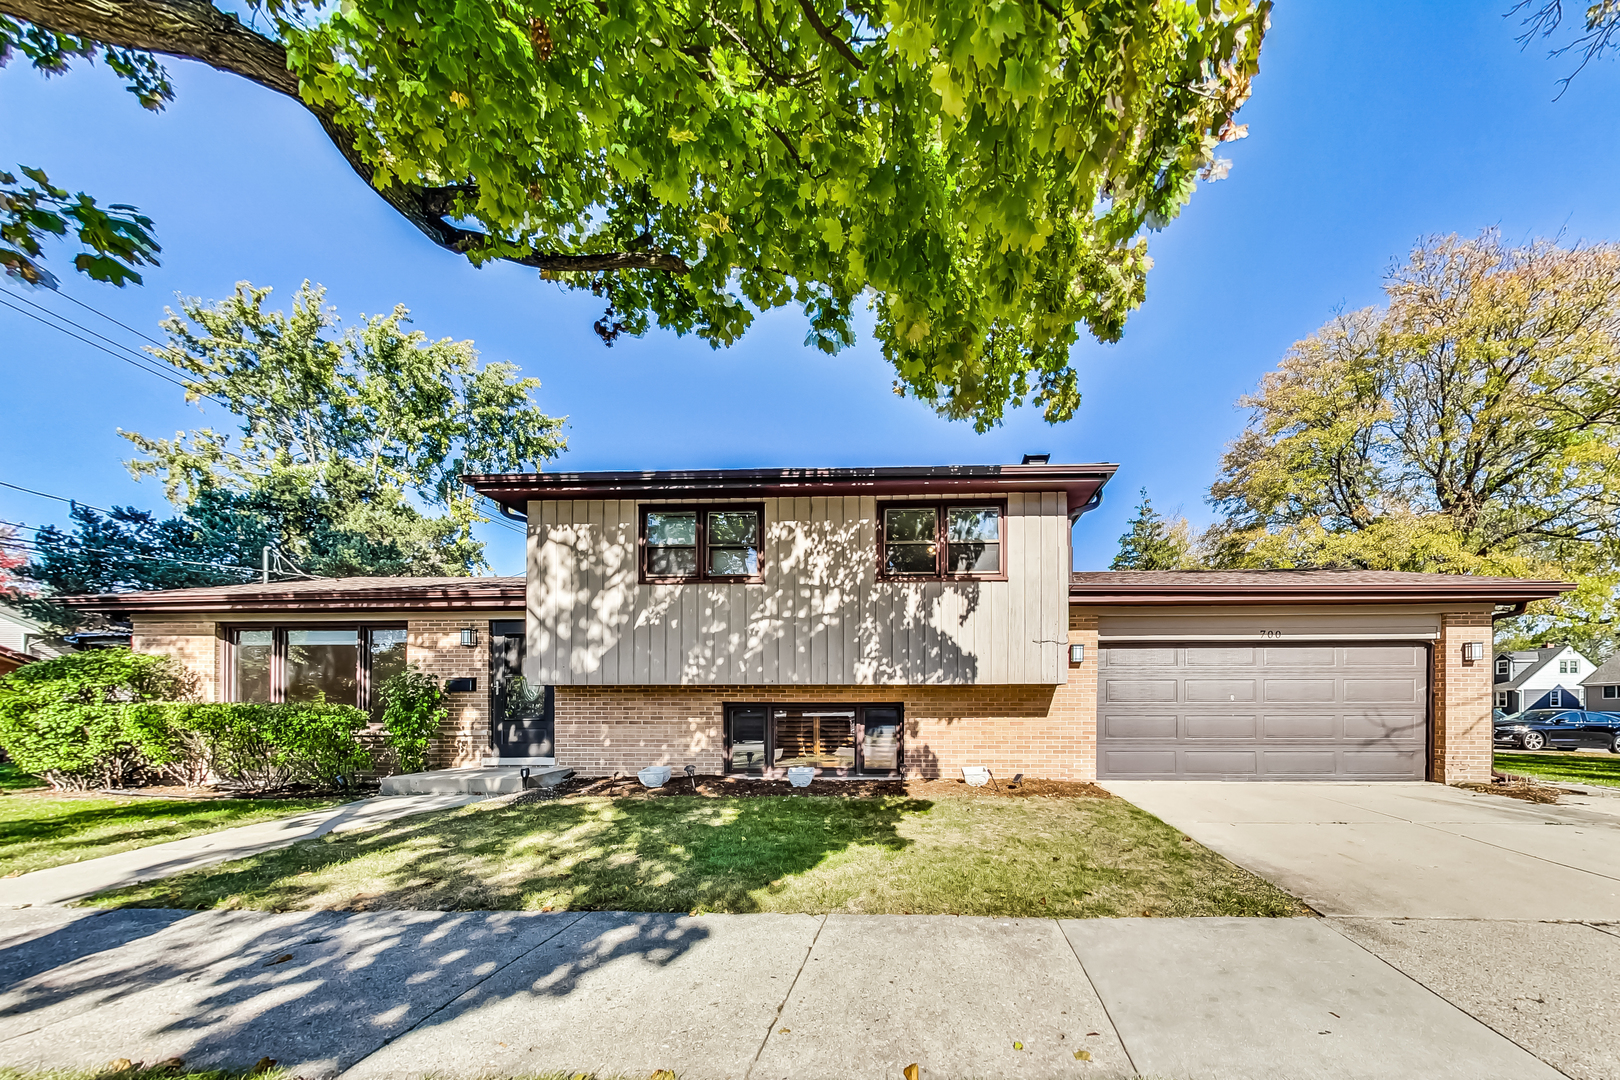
(192, 640)
(1462, 698)
(433, 644)
(1039, 730)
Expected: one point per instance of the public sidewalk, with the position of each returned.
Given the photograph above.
(406, 994)
(75, 881)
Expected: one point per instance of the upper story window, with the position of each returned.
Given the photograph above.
(1569, 667)
(1502, 666)
(941, 540)
(702, 543)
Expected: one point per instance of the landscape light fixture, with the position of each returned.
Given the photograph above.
(469, 636)
(1473, 650)
(1077, 654)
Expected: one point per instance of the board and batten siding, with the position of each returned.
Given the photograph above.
(821, 617)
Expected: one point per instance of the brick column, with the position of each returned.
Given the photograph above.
(434, 645)
(1074, 706)
(1462, 702)
(190, 640)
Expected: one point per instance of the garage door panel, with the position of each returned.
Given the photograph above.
(1125, 656)
(1375, 726)
(1148, 764)
(1406, 656)
(1132, 726)
(1207, 763)
(1220, 690)
(1220, 657)
(1299, 764)
(1381, 764)
(1331, 711)
(1381, 691)
(1217, 726)
(1301, 689)
(1302, 726)
(1307, 657)
(1127, 691)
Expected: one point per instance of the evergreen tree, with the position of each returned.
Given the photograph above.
(1153, 542)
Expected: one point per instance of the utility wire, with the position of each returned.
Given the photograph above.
(117, 356)
(109, 318)
(34, 547)
(58, 498)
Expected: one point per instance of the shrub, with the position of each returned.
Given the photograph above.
(413, 712)
(64, 720)
(259, 747)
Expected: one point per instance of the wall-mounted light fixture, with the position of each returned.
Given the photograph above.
(1473, 650)
(1077, 654)
(469, 636)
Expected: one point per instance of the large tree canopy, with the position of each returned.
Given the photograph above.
(985, 169)
(1472, 424)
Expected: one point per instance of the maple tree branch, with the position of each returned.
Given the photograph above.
(196, 30)
(828, 36)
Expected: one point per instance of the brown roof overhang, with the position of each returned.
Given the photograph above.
(1173, 588)
(1080, 482)
(502, 594)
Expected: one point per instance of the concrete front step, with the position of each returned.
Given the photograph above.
(504, 780)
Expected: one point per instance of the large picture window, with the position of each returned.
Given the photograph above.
(836, 740)
(702, 543)
(344, 665)
(941, 540)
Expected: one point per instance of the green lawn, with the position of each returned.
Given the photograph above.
(37, 831)
(894, 854)
(1568, 766)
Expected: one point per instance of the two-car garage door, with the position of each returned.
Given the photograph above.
(1239, 711)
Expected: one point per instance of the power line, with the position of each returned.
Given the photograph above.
(34, 547)
(58, 498)
(132, 363)
(109, 318)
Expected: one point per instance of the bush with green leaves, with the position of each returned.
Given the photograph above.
(413, 712)
(64, 719)
(258, 747)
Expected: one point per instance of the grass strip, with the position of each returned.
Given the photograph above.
(894, 854)
(1571, 768)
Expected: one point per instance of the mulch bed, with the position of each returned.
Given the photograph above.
(734, 787)
(1516, 787)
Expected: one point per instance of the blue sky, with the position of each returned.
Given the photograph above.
(1370, 126)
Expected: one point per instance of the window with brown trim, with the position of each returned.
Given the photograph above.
(932, 541)
(691, 543)
(344, 665)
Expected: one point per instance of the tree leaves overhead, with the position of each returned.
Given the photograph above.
(980, 173)
(113, 241)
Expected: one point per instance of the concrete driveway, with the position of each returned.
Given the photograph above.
(1406, 851)
(1508, 910)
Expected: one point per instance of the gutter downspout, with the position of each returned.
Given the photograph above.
(508, 512)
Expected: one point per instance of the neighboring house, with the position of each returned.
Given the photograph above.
(23, 635)
(878, 622)
(1602, 687)
(1549, 677)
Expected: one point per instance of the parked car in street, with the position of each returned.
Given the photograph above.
(1559, 729)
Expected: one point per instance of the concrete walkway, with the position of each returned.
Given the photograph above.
(75, 881)
(1509, 910)
(381, 995)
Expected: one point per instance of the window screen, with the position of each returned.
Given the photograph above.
(973, 535)
(672, 543)
(911, 540)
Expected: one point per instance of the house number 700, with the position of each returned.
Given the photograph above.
(1271, 633)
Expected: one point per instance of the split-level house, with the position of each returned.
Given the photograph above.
(874, 622)
(1547, 677)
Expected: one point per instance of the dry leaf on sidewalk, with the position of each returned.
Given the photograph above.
(911, 1072)
(1082, 1055)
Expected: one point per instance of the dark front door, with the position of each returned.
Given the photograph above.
(523, 715)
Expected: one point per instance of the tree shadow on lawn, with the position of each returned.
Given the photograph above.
(671, 854)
